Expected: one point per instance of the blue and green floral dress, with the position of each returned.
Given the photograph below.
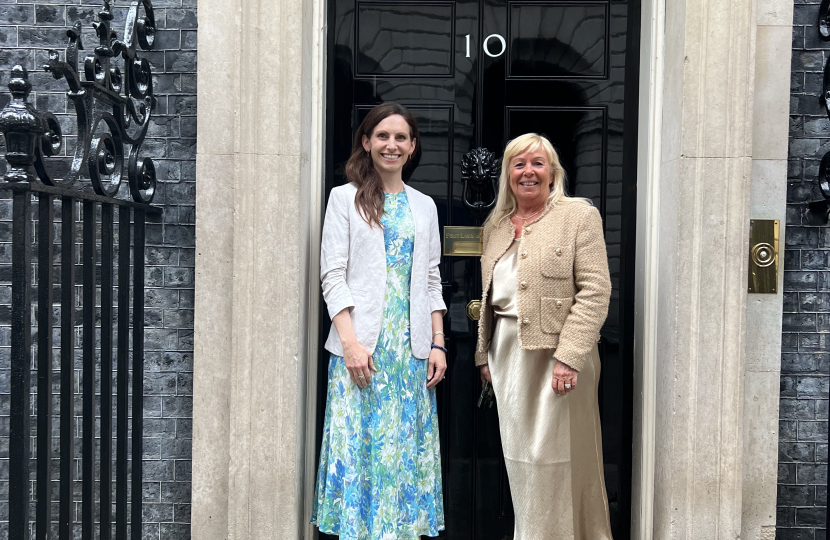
(380, 463)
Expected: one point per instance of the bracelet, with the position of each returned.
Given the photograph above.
(440, 348)
(438, 332)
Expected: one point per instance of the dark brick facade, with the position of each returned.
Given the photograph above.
(27, 30)
(805, 354)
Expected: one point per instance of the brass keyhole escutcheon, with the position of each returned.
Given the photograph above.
(763, 254)
(474, 310)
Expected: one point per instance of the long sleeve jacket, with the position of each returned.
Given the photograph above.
(353, 270)
(563, 285)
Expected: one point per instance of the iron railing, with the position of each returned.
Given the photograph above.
(113, 106)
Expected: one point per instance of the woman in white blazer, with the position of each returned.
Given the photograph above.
(380, 468)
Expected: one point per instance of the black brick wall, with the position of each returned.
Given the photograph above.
(805, 354)
(27, 31)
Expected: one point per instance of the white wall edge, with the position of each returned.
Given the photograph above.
(647, 266)
(315, 116)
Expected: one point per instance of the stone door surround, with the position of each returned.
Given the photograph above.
(713, 145)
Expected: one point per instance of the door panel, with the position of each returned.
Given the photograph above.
(566, 69)
(557, 40)
(403, 39)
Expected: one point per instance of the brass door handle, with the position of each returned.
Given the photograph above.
(474, 310)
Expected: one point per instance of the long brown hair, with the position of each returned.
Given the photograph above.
(360, 168)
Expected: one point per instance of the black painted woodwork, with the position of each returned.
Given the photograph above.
(568, 70)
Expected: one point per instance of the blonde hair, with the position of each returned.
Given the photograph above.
(506, 204)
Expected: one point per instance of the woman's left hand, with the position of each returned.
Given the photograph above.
(564, 378)
(437, 367)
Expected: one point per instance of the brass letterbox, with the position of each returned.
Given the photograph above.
(463, 241)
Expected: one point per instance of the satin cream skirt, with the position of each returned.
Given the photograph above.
(552, 444)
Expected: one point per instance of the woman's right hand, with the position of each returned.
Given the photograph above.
(485, 375)
(359, 363)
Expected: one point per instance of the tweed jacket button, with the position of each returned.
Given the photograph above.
(523, 284)
(559, 251)
(525, 321)
(528, 229)
(524, 254)
(559, 303)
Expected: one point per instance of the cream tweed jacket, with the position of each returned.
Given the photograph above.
(563, 282)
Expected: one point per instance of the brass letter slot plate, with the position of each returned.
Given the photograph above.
(763, 255)
(463, 241)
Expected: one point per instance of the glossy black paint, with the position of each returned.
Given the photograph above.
(106, 264)
(21, 362)
(480, 169)
(105, 139)
(95, 514)
(140, 236)
(87, 382)
(824, 20)
(568, 70)
(820, 208)
(122, 376)
(67, 397)
(45, 252)
(113, 103)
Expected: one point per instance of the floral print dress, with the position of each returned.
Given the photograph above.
(380, 465)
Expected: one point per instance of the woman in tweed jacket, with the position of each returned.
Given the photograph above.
(545, 297)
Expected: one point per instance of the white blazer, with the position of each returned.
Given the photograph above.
(353, 270)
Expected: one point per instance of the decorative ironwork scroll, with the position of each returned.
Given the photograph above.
(113, 106)
(824, 20)
(480, 174)
(822, 206)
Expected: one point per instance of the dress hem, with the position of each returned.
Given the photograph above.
(431, 534)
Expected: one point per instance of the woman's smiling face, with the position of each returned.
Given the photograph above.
(531, 176)
(390, 144)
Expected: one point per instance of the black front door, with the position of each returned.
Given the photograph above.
(476, 73)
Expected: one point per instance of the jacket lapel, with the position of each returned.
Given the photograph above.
(418, 216)
(499, 242)
(365, 230)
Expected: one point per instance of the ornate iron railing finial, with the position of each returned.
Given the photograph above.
(113, 108)
(22, 126)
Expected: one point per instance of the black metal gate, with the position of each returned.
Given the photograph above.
(113, 105)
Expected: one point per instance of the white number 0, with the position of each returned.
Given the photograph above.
(486, 45)
(487, 49)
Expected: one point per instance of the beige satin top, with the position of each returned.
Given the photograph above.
(504, 283)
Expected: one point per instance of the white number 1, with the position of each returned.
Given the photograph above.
(468, 45)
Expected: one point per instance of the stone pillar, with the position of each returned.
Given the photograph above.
(773, 51)
(258, 198)
(703, 223)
